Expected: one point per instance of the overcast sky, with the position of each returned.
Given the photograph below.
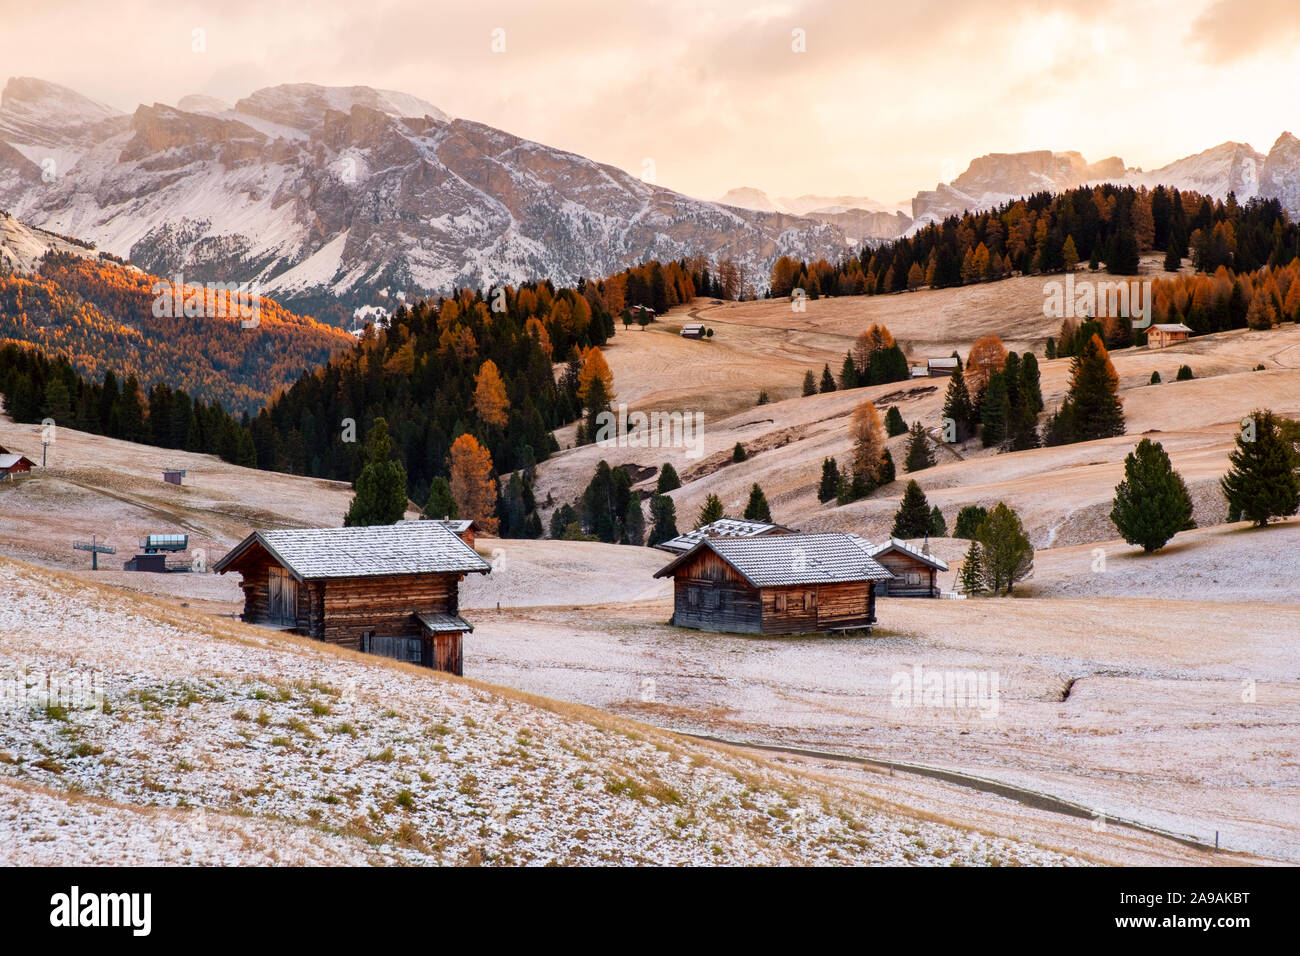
(887, 97)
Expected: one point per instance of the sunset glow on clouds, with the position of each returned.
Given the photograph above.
(885, 100)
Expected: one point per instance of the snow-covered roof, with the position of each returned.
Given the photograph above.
(411, 547)
(437, 623)
(949, 362)
(898, 544)
(791, 559)
(722, 528)
(457, 525)
(8, 461)
(1171, 327)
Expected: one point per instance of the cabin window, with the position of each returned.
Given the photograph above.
(780, 601)
(693, 596)
(914, 577)
(809, 600)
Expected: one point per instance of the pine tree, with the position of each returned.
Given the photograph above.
(1155, 378)
(1092, 407)
(828, 380)
(938, 527)
(887, 473)
(756, 509)
(1173, 261)
(634, 522)
(1261, 482)
(1031, 388)
(440, 503)
(1007, 555)
(868, 448)
(957, 407)
(710, 512)
(968, 522)
(828, 488)
(1184, 374)
(1151, 503)
(913, 517)
(894, 424)
(919, 455)
(663, 517)
(809, 384)
(996, 410)
(972, 571)
(738, 453)
(848, 373)
(668, 480)
(381, 487)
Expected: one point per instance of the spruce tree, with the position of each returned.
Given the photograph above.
(440, 503)
(1155, 378)
(938, 527)
(1092, 406)
(828, 380)
(996, 411)
(894, 424)
(634, 522)
(968, 522)
(848, 373)
(913, 517)
(809, 384)
(381, 487)
(738, 453)
(1261, 481)
(886, 474)
(1151, 503)
(919, 455)
(972, 571)
(668, 480)
(710, 512)
(1007, 555)
(828, 488)
(663, 517)
(957, 406)
(756, 509)
(1031, 387)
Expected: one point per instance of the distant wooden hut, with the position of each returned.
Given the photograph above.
(1160, 336)
(915, 572)
(391, 590)
(693, 330)
(13, 465)
(463, 528)
(722, 528)
(940, 367)
(776, 584)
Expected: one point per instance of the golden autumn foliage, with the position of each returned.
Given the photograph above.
(868, 434)
(987, 355)
(102, 316)
(490, 400)
(594, 366)
(472, 486)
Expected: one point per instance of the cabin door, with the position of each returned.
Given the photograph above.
(282, 597)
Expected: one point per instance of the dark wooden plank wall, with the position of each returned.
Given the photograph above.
(384, 605)
(708, 594)
(900, 565)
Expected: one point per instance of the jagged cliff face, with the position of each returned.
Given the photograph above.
(342, 191)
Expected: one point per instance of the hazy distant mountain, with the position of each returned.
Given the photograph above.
(323, 192)
(858, 217)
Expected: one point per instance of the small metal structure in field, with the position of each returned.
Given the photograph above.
(95, 548)
(174, 476)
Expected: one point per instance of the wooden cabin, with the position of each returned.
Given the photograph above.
(1160, 336)
(13, 465)
(915, 571)
(693, 330)
(940, 367)
(722, 528)
(776, 584)
(391, 590)
(463, 528)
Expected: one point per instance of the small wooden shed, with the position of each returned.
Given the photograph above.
(1160, 336)
(11, 465)
(391, 590)
(915, 571)
(940, 367)
(776, 584)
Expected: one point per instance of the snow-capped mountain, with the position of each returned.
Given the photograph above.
(340, 191)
